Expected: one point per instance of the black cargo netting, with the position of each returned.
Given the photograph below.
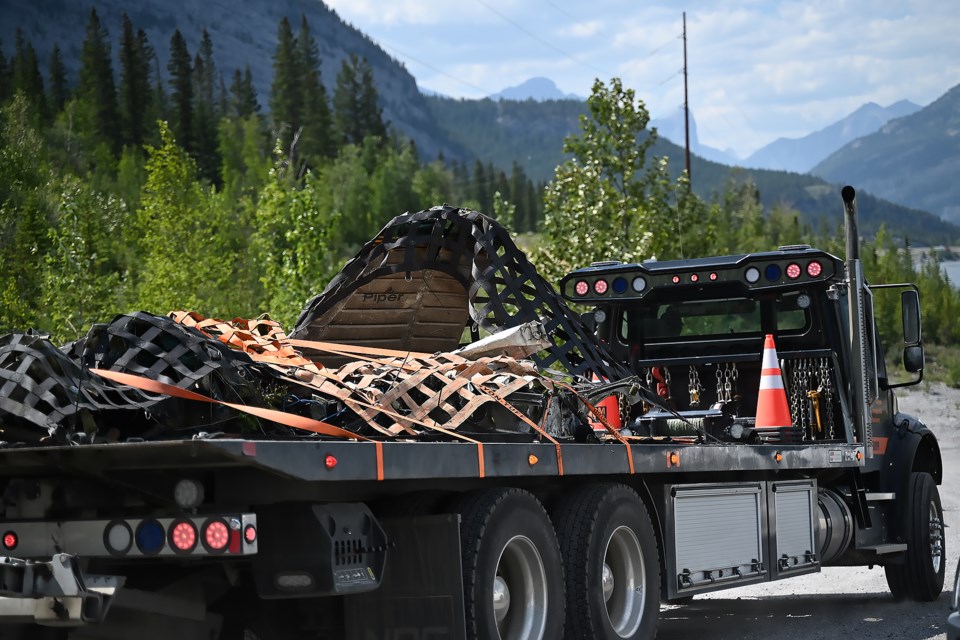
(49, 394)
(504, 289)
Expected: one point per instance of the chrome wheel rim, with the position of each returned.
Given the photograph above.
(936, 537)
(519, 591)
(624, 582)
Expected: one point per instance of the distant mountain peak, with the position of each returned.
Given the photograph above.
(538, 89)
(802, 154)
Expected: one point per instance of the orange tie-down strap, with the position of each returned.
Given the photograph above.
(603, 420)
(280, 417)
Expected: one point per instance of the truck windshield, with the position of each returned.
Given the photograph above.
(723, 317)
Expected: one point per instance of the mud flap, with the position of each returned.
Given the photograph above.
(421, 596)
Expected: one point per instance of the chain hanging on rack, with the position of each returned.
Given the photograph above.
(826, 385)
(695, 387)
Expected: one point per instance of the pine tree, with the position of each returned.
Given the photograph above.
(27, 78)
(181, 84)
(135, 90)
(356, 113)
(316, 138)
(96, 86)
(371, 114)
(4, 76)
(205, 120)
(58, 80)
(243, 95)
(286, 97)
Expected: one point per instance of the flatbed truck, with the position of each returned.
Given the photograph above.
(525, 539)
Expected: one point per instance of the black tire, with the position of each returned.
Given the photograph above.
(920, 577)
(507, 543)
(607, 527)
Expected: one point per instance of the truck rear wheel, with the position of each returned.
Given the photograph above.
(611, 563)
(512, 576)
(921, 575)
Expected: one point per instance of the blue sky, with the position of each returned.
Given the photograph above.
(759, 69)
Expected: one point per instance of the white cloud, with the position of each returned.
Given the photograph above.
(581, 29)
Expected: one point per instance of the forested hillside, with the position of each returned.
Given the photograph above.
(243, 35)
(158, 182)
(131, 189)
(531, 134)
(913, 160)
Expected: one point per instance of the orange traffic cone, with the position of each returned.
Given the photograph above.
(772, 408)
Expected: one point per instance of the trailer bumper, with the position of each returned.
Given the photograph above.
(53, 592)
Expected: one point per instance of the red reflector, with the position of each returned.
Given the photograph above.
(581, 287)
(10, 540)
(183, 536)
(217, 535)
(330, 461)
(814, 269)
(234, 541)
(793, 271)
(713, 276)
(676, 279)
(694, 277)
(250, 534)
(600, 286)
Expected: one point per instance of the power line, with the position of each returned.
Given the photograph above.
(545, 43)
(405, 55)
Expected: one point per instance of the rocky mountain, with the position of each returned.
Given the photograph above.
(913, 160)
(672, 127)
(242, 34)
(538, 89)
(801, 154)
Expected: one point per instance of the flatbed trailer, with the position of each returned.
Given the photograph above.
(526, 535)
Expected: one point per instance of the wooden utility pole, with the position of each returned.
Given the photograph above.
(686, 99)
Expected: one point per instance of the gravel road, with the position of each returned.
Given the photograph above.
(851, 602)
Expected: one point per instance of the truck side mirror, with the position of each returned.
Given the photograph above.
(910, 304)
(913, 358)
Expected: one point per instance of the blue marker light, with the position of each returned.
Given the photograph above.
(619, 285)
(772, 272)
(150, 536)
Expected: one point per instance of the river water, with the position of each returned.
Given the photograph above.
(952, 269)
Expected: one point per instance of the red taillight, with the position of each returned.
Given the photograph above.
(600, 287)
(694, 277)
(216, 535)
(10, 540)
(676, 279)
(183, 536)
(581, 287)
(713, 275)
(330, 462)
(814, 269)
(793, 271)
(250, 534)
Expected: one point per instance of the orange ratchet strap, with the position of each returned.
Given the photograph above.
(603, 420)
(280, 417)
(512, 409)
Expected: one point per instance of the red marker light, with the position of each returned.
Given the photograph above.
(581, 287)
(10, 540)
(814, 269)
(676, 279)
(694, 277)
(250, 534)
(183, 536)
(793, 271)
(216, 535)
(713, 275)
(600, 287)
(330, 462)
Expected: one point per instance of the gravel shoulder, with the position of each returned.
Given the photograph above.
(840, 601)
